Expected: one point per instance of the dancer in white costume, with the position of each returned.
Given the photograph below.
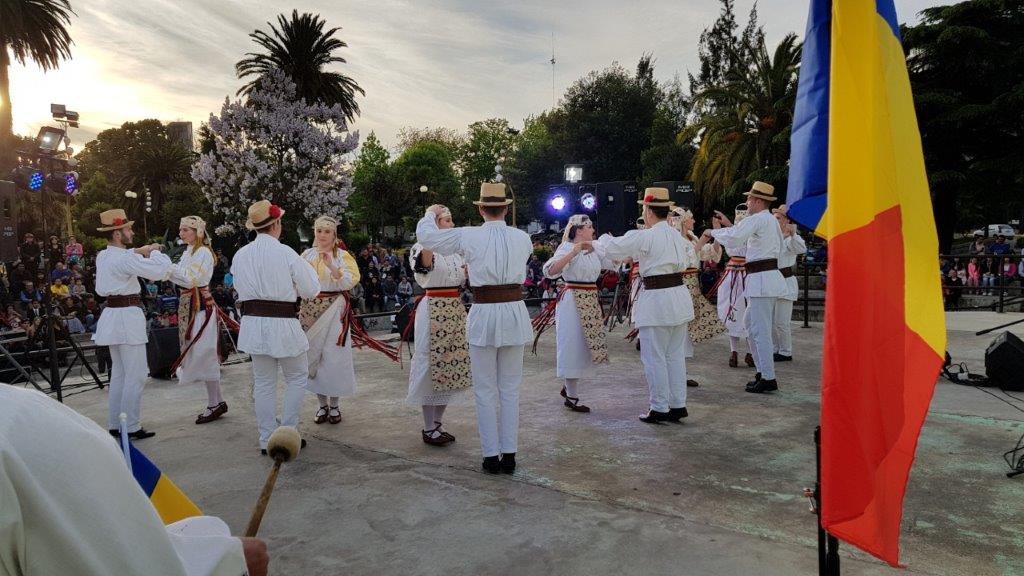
(325, 319)
(732, 306)
(440, 363)
(792, 246)
(579, 330)
(122, 326)
(199, 319)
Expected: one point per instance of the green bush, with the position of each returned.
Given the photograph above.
(356, 241)
(542, 253)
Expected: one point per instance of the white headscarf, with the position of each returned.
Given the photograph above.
(574, 221)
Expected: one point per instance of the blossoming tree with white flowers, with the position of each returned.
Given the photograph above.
(277, 147)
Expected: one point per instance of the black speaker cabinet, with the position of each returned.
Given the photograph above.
(1004, 362)
(616, 207)
(679, 192)
(162, 350)
(8, 222)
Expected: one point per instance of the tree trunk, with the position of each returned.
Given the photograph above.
(6, 116)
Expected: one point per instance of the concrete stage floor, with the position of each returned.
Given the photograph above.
(598, 493)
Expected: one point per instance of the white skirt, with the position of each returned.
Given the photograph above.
(731, 314)
(421, 384)
(335, 373)
(201, 363)
(572, 357)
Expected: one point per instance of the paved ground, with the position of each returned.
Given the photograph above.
(595, 494)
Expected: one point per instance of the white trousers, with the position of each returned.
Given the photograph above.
(662, 351)
(759, 319)
(128, 371)
(497, 373)
(783, 327)
(264, 378)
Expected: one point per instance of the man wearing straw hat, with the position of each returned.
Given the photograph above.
(760, 233)
(122, 326)
(270, 278)
(498, 326)
(663, 308)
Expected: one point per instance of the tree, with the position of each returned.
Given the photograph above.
(301, 49)
(720, 49)
(30, 30)
(488, 143)
(447, 137)
(966, 66)
(666, 158)
(428, 164)
(743, 133)
(281, 148)
(376, 200)
(535, 164)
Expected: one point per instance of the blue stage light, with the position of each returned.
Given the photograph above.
(70, 183)
(589, 202)
(557, 203)
(35, 182)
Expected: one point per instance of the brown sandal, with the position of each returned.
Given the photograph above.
(573, 403)
(321, 415)
(331, 417)
(734, 361)
(215, 413)
(440, 440)
(749, 360)
(444, 434)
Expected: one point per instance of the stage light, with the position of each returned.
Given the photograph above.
(49, 139)
(557, 203)
(27, 177)
(36, 181)
(70, 183)
(588, 201)
(573, 173)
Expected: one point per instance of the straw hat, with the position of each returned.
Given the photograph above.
(492, 194)
(263, 214)
(761, 190)
(656, 197)
(114, 219)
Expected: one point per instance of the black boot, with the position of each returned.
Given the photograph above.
(655, 417)
(761, 386)
(781, 358)
(692, 384)
(508, 463)
(757, 378)
(677, 414)
(492, 465)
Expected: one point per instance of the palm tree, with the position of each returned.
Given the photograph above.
(33, 30)
(744, 135)
(301, 49)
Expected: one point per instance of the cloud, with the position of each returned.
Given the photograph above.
(421, 64)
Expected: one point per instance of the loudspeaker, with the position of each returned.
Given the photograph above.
(679, 192)
(8, 221)
(1004, 362)
(162, 350)
(616, 207)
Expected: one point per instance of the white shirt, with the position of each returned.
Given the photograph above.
(69, 505)
(690, 259)
(659, 249)
(496, 254)
(266, 269)
(349, 270)
(791, 248)
(193, 270)
(117, 274)
(762, 236)
(447, 271)
(583, 269)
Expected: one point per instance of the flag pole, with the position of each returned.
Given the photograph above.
(828, 545)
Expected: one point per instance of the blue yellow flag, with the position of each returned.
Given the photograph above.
(170, 502)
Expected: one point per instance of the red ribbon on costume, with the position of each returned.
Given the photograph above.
(211, 310)
(350, 325)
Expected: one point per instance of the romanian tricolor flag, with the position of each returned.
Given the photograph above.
(170, 502)
(857, 179)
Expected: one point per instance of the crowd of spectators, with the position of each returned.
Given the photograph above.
(989, 266)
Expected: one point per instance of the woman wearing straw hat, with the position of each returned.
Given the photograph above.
(199, 318)
(579, 326)
(440, 363)
(792, 246)
(705, 324)
(122, 326)
(664, 307)
(760, 234)
(269, 278)
(325, 319)
(498, 325)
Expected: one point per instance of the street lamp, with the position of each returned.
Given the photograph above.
(498, 177)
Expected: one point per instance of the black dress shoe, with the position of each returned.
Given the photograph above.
(655, 417)
(263, 451)
(491, 465)
(141, 434)
(757, 378)
(692, 383)
(762, 386)
(677, 414)
(508, 463)
(115, 433)
(780, 358)
(302, 444)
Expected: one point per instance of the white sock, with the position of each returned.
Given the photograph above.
(322, 399)
(734, 343)
(570, 387)
(428, 417)
(439, 414)
(213, 394)
(334, 401)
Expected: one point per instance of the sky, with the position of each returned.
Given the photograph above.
(437, 63)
